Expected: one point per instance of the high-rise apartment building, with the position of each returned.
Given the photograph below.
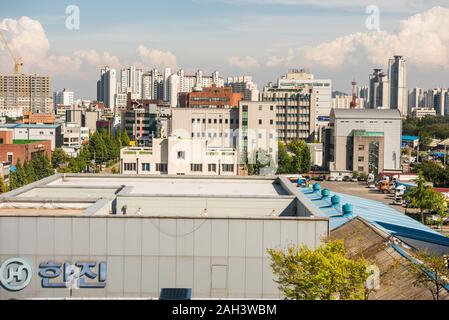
(188, 83)
(63, 98)
(244, 85)
(379, 90)
(107, 87)
(21, 93)
(131, 81)
(397, 68)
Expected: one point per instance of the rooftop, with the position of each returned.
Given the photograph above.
(381, 216)
(367, 113)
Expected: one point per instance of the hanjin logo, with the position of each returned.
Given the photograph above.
(15, 274)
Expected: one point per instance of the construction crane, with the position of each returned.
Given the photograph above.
(17, 60)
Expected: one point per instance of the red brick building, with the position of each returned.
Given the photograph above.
(12, 150)
(211, 97)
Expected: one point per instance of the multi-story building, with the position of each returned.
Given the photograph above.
(189, 83)
(38, 118)
(39, 132)
(11, 149)
(301, 80)
(179, 156)
(218, 126)
(257, 132)
(423, 112)
(379, 90)
(72, 135)
(344, 102)
(295, 112)
(210, 97)
(64, 98)
(398, 84)
(131, 81)
(25, 93)
(363, 140)
(107, 87)
(244, 85)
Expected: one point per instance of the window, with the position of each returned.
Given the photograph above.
(181, 155)
(232, 121)
(226, 121)
(361, 147)
(361, 169)
(260, 121)
(10, 158)
(210, 121)
(130, 166)
(196, 167)
(361, 159)
(271, 108)
(193, 120)
(228, 167)
(260, 108)
(215, 121)
(146, 167)
(41, 132)
(221, 121)
(212, 167)
(204, 120)
(161, 167)
(271, 122)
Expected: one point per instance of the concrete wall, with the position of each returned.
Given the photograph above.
(214, 257)
(216, 206)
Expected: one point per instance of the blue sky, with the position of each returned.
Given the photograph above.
(206, 34)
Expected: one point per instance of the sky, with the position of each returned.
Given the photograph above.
(336, 39)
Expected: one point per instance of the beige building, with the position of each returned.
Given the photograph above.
(25, 93)
(364, 140)
(179, 156)
(217, 126)
(257, 123)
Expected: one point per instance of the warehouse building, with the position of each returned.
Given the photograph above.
(130, 236)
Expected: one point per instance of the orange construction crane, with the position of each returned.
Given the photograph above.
(17, 60)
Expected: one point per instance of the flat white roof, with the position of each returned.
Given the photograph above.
(180, 186)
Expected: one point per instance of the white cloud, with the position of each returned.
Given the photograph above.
(154, 57)
(274, 61)
(246, 62)
(28, 40)
(422, 39)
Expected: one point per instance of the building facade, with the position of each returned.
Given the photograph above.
(25, 93)
(363, 139)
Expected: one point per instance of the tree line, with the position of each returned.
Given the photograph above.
(429, 126)
(103, 147)
(38, 168)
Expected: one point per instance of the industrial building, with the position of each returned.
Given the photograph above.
(363, 140)
(209, 234)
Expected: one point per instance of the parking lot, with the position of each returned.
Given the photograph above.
(360, 189)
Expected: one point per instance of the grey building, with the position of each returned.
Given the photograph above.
(141, 234)
(363, 140)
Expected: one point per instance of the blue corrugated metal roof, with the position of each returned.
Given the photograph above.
(379, 214)
(410, 138)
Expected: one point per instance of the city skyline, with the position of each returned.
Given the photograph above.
(259, 38)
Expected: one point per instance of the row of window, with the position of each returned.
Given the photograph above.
(162, 167)
(215, 121)
(146, 167)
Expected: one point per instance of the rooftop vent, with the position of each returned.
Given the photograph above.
(316, 187)
(347, 209)
(325, 193)
(335, 200)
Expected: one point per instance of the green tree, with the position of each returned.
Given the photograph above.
(59, 157)
(306, 159)
(430, 272)
(126, 141)
(3, 186)
(422, 197)
(284, 159)
(29, 172)
(295, 147)
(321, 274)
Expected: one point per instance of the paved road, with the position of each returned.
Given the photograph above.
(360, 189)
